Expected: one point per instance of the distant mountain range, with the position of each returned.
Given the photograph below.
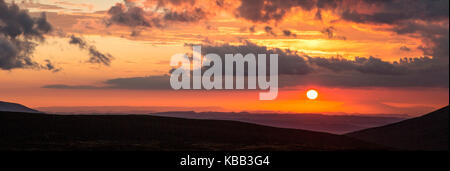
(14, 107)
(428, 132)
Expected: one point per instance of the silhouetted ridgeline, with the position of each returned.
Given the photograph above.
(24, 131)
(14, 107)
(428, 132)
(335, 124)
(36, 131)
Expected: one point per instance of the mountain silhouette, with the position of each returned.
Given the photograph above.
(24, 131)
(429, 132)
(14, 107)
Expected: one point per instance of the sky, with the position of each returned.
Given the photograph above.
(362, 56)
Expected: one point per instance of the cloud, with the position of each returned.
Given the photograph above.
(357, 79)
(160, 82)
(185, 16)
(37, 5)
(291, 62)
(269, 30)
(330, 33)
(289, 33)
(394, 11)
(416, 18)
(419, 18)
(405, 48)
(428, 19)
(252, 29)
(266, 10)
(50, 66)
(298, 69)
(19, 35)
(128, 16)
(16, 54)
(95, 55)
(131, 15)
(295, 63)
(388, 11)
(136, 83)
(62, 86)
(435, 38)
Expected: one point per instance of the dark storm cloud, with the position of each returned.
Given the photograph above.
(373, 72)
(16, 54)
(405, 17)
(185, 16)
(179, 2)
(360, 72)
(95, 55)
(394, 11)
(128, 14)
(266, 10)
(357, 79)
(387, 11)
(16, 22)
(291, 63)
(435, 37)
(377, 66)
(19, 35)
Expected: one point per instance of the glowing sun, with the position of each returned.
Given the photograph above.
(312, 94)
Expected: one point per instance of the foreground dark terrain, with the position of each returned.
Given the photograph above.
(31, 131)
(335, 124)
(429, 132)
(38, 131)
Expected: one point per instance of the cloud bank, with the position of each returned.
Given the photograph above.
(296, 69)
(19, 35)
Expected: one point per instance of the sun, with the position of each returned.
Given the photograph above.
(312, 94)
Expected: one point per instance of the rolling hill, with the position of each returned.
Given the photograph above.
(14, 107)
(429, 132)
(335, 124)
(24, 131)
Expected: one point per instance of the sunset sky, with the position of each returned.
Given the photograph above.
(362, 56)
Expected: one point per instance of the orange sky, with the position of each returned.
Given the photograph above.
(149, 53)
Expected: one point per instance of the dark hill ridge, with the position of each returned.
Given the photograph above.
(428, 132)
(334, 124)
(23, 131)
(14, 107)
